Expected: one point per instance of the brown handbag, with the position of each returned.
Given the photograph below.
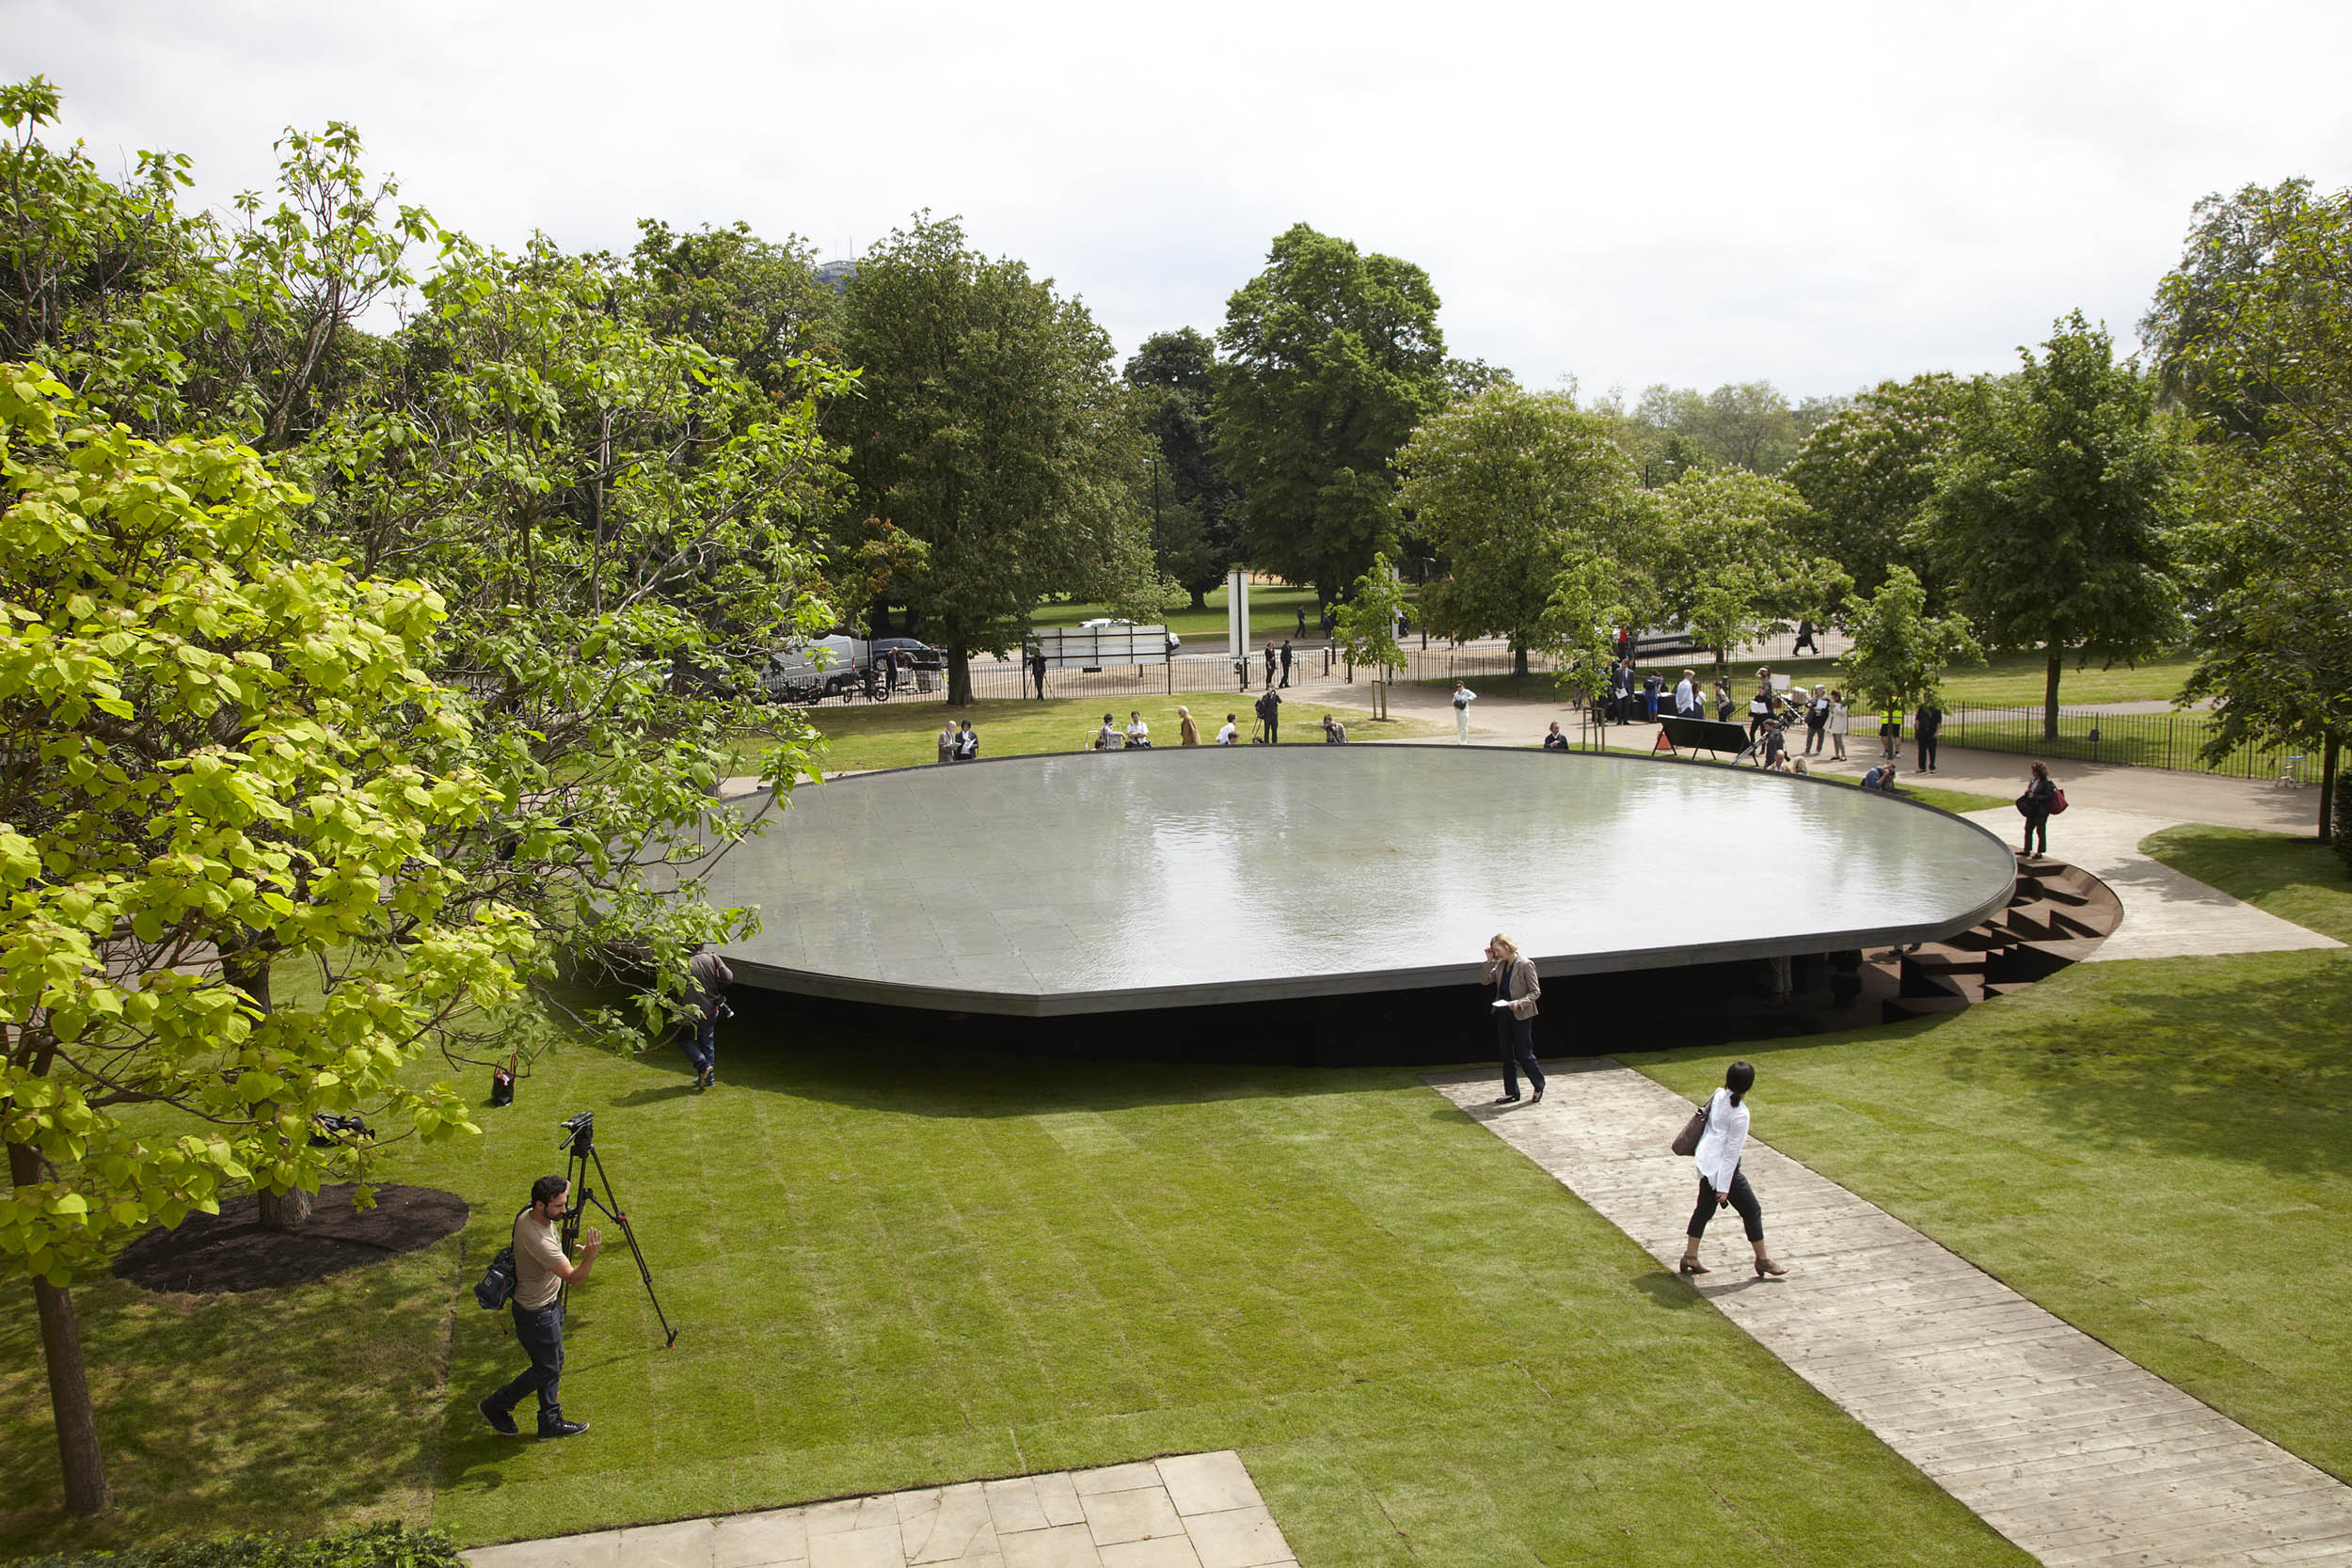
(1687, 1141)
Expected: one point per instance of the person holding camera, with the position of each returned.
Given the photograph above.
(541, 1272)
(705, 974)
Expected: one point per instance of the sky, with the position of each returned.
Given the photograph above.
(1818, 195)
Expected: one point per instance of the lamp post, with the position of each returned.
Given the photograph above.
(1158, 563)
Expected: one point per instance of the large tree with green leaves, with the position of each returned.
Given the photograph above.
(1727, 563)
(1866, 472)
(624, 525)
(1192, 506)
(2052, 506)
(1504, 487)
(227, 768)
(989, 427)
(2255, 331)
(1332, 355)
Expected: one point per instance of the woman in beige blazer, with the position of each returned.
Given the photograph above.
(1516, 990)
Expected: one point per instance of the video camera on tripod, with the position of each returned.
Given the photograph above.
(578, 1144)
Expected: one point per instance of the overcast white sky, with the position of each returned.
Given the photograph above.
(1818, 193)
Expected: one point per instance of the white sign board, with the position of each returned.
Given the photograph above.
(1092, 647)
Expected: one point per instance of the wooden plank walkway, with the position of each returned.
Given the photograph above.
(2074, 1453)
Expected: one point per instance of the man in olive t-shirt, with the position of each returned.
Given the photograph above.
(541, 1272)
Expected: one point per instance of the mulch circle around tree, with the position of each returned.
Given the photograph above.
(211, 1254)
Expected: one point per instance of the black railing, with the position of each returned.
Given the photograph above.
(2175, 739)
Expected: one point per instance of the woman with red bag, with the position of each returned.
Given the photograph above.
(2040, 799)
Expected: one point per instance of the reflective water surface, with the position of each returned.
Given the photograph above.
(1073, 882)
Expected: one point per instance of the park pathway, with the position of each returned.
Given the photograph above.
(1192, 1511)
(2069, 1449)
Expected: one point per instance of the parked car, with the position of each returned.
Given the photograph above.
(819, 668)
(1666, 640)
(921, 655)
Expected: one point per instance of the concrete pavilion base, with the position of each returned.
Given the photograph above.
(1582, 1016)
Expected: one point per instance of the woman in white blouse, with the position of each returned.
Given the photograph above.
(1721, 1183)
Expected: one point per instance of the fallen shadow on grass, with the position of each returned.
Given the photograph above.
(355, 1429)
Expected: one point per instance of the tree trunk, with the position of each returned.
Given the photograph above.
(958, 677)
(2049, 691)
(248, 969)
(2328, 787)
(78, 1454)
(1200, 597)
(289, 1210)
(1519, 660)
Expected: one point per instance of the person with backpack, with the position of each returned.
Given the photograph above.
(1722, 1184)
(1463, 697)
(2042, 801)
(541, 1272)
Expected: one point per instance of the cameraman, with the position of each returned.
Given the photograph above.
(541, 1272)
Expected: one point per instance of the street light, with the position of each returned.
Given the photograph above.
(1159, 564)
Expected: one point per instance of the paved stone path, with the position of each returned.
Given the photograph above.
(2167, 914)
(1196, 1510)
(2069, 1449)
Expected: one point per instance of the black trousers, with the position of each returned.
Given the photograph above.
(541, 1331)
(1742, 1198)
(1516, 1039)
(2037, 825)
(1925, 743)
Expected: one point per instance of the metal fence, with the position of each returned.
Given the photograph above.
(2138, 740)
(1004, 678)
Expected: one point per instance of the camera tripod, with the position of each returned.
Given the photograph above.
(578, 1143)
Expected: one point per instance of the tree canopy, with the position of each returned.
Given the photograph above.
(1504, 487)
(1332, 357)
(2256, 328)
(227, 761)
(2052, 508)
(1866, 473)
(990, 429)
(1174, 377)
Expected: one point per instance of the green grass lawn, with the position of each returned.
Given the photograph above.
(896, 1265)
(903, 734)
(2156, 1150)
(1273, 613)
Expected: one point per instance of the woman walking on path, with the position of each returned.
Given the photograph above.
(2035, 803)
(1837, 723)
(1721, 1182)
(1516, 990)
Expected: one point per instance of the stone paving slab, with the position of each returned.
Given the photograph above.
(1192, 1511)
(2069, 1449)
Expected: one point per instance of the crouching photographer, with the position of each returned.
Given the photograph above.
(541, 1272)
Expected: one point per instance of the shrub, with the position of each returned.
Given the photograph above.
(381, 1545)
